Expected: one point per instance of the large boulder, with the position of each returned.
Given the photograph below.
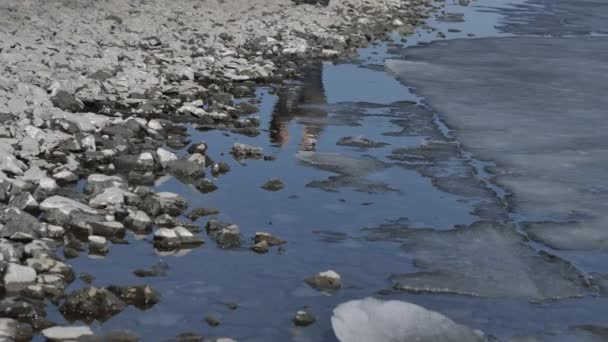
(64, 211)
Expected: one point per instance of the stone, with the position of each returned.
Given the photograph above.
(270, 239)
(17, 276)
(163, 203)
(138, 220)
(178, 237)
(192, 166)
(98, 245)
(165, 157)
(108, 229)
(46, 187)
(303, 318)
(260, 247)
(72, 333)
(200, 147)
(140, 296)
(19, 225)
(225, 235)
(273, 185)
(212, 320)
(109, 197)
(158, 270)
(220, 168)
(8, 329)
(325, 281)
(66, 101)
(205, 185)
(200, 212)
(370, 319)
(62, 211)
(91, 303)
(25, 201)
(96, 183)
(243, 151)
(65, 177)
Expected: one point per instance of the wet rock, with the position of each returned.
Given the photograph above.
(270, 239)
(200, 212)
(212, 320)
(359, 142)
(121, 336)
(224, 234)
(260, 247)
(109, 197)
(138, 220)
(325, 281)
(374, 320)
(242, 151)
(98, 245)
(91, 303)
(17, 276)
(273, 185)
(67, 101)
(158, 270)
(140, 296)
(205, 185)
(13, 330)
(48, 265)
(24, 310)
(303, 318)
(46, 187)
(72, 333)
(463, 261)
(109, 229)
(163, 203)
(178, 237)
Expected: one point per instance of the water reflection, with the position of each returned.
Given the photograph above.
(302, 100)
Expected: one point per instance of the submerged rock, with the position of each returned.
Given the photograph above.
(158, 270)
(268, 238)
(325, 281)
(243, 151)
(200, 212)
(141, 296)
(359, 142)
(260, 247)
(374, 320)
(212, 320)
(273, 185)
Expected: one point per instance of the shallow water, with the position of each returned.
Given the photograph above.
(346, 208)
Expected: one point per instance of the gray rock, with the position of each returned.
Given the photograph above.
(205, 185)
(19, 225)
(374, 320)
(18, 276)
(178, 237)
(200, 147)
(73, 333)
(165, 157)
(98, 245)
(224, 234)
(270, 239)
(200, 212)
(163, 203)
(140, 296)
(8, 329)
(109, 197)
(243, 151)
(46, 187)
(188, 166)
(108, 229)
(48, 265)
(91, 303)
(96, 183)
(273, 185)
(65, 177)
(325, 281)
(25, 201)
(62, 211)
(67, 101)
(138, 220)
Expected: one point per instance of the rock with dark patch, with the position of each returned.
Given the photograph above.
(140, 296)
(192, 166)
(24, 310)
(212, 320)
(200, 212)
(97, 183)
(67, 101)
(200, 147)
(91, 303)
(158, 270)
(138, 220)
(25, 201)
(260, 247)
(163, 203)
(98, 245)
(220, 168)
(205, 185)
(226, 235)
(108, 229)
(273, 185)
(328, 281)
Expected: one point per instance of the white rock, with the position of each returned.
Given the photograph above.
(155, 125)
(66, 333)
(165, 156)
(19, 275)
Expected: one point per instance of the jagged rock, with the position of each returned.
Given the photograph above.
(141, 296)
(67, 101)
(96, 183)
(163, 203)
(19, 225)
(24, 201)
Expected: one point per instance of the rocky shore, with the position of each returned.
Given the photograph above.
(95, 99)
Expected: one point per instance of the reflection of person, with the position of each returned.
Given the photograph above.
(310, 92)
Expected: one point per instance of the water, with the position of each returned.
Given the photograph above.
(350, 211)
